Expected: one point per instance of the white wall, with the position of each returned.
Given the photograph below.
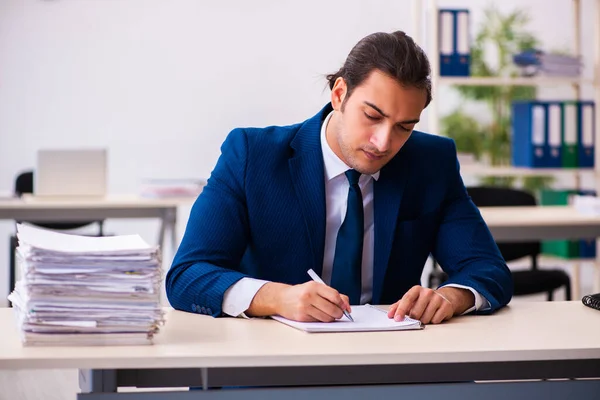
(161, 83)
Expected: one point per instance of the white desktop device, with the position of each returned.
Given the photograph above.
(71, 173)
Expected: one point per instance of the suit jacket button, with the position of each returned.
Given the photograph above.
(209, 311)
(193, 307)
(203, 310)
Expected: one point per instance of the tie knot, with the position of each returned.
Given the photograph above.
(353, 176)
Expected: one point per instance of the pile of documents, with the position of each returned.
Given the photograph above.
(171, 188)
(80, 290)
(536, 62)
(587, 205)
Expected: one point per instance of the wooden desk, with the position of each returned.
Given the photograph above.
(524, 341)
(540, 222)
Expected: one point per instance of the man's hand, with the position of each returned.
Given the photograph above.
(308, 302)
(432, 306)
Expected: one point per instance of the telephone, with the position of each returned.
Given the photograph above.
(592, 300)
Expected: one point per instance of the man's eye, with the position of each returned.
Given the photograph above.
(372, 118)
(403, 128)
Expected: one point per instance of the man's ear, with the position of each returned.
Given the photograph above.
(338, 93)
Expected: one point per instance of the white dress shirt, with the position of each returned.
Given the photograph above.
(238, 297)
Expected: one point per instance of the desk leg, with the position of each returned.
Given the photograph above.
(596, 283)
(161, 232)
(12, 272)
(173, 222)
(576, 281)
(98, 380)
(596, 266)
(168, 223)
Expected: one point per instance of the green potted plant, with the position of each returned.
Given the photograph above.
(499, 37)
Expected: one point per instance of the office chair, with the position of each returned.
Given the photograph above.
(526, 282)
(24, 185)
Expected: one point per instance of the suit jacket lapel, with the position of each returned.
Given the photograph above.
(387, 192)
(308, 178)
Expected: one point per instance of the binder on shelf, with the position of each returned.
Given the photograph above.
(529, 145)
(454, 43)
(554, 143)
(553, 134)
(446, 42)
(587, 248)
(569, 135)
(462, 61)
(559, 248)
(586, 129)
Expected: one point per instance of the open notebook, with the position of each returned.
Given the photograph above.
(367, 318)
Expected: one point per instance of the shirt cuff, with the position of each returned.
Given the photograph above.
(238, 297)
(481, 303)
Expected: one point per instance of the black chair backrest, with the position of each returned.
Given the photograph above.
(24, 185)
(493, 196)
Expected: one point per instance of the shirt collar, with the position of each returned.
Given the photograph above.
(334, 166)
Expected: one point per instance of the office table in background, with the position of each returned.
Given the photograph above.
(506, 223)
(527, 340)
(30, 208)
(545, 222)
(540, 223)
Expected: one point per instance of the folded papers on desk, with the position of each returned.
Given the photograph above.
(587, 205)
(367, 318)
(172, 188)
(79, 290)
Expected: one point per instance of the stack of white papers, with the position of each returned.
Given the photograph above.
(171, 188)
(86, 290)
(587, 205)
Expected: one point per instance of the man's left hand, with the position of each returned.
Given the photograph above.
(432, 306)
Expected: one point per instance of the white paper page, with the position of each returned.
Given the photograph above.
(143, 260)
(77, 324)
(86, 339)
(75, 286)
(446, 33)
(366, 318)
(54, 241)
(98, 274)
(462, 29)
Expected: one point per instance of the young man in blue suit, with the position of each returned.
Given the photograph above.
(353, 193)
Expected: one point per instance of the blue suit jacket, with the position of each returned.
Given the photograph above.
(262, 215)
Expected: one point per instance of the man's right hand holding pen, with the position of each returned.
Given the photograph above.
(307, 302)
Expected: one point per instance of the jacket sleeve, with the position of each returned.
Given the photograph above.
(207, 261)
(465, 248)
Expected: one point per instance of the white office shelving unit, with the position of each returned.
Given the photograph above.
(484, 170)
(575, 83)
(431, 20)
(517, 81)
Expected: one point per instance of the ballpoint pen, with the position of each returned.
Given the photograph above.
(316, 278)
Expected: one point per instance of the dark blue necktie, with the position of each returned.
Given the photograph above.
(347, 262)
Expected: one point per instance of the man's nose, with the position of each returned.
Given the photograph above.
(381, 139)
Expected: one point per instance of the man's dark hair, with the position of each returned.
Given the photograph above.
(395, 54)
